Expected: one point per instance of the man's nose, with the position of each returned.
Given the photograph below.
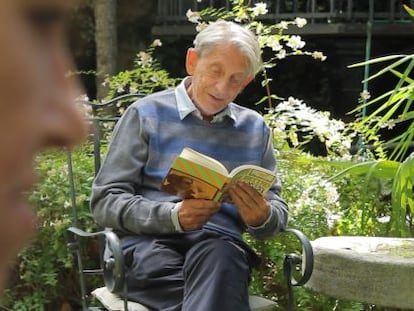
(222, 86)
(65, 124)
(64, 116)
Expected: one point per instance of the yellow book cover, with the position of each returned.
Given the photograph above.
(195, 175)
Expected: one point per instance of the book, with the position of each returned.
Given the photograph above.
(198, 176)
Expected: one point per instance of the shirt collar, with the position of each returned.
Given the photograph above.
(186, 106)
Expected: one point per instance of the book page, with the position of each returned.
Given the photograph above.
(202, 159)
(258, 177)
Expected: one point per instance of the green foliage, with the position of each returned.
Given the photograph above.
(409, 10)
(396, 107)
(46, 276)
(393, 107)
(317, 208)
(402, 200)
(145, 77)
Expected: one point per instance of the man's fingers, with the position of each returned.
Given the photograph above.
(193, 214)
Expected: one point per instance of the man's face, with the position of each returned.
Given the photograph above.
(218, 76)
(36, 109)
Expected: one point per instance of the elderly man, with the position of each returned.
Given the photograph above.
(189, 254)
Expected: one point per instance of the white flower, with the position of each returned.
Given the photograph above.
(384, 219)
(295, 101)
(201, 26)
(332, 219)
(295, 43)
(318, 55)
(154, 78)
(157, 42)
(283, 25)
(260, 8)
(241, 16)
(273, 43)
(145, 59)
(300, 22)
(106, 82)
(133, 89)
(281, 54)
(120, 88)
(389, 125)
(193, 17)
(365, 94)
(329, 131)
(279, 125)
(332, 195)
(262, 41)
(259, 28)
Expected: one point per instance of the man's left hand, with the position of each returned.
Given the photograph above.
(253, 207)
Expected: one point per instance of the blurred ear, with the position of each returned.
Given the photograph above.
(191, 61)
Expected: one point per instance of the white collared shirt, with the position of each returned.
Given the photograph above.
(186, 106)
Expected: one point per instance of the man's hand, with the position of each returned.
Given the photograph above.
(193, 214)
(253, 207)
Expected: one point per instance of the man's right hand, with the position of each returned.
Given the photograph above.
(194, 213)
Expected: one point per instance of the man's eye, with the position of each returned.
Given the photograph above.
(236, 81)
(214, 71)
(46, 20)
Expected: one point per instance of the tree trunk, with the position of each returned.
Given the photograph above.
(106, 42)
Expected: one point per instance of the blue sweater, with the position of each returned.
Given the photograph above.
(126, 193)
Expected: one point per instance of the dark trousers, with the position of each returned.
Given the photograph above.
(198, 271)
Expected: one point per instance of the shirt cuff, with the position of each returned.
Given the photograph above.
(174, 217)
(265, 223)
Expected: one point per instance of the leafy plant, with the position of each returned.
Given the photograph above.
(391, 108)
(395, 109)
(145, 77)
(402, 223)
(45, 278)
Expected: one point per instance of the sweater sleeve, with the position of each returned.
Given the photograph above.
(116, 200)
(278, 218)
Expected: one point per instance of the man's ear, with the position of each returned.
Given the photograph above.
(191, 61)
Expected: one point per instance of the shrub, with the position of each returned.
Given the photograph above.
(44, 276)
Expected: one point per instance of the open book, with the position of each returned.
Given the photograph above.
(195, 175)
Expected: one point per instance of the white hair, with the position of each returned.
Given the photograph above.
(227, 32)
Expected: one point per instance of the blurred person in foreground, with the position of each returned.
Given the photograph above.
(189, 254)
(37, 110)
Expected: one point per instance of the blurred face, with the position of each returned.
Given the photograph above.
(37, 109)
(218, 76)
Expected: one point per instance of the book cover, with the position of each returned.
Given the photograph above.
(197, 176)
